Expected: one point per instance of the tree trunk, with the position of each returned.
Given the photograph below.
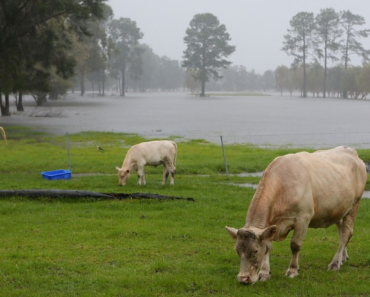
(202, 94)
(345, 92)
(82, 82)
(304, 69)
(19, 103)
(325, 70)
(118, 86)
(40, 98)
(203, 77)
(5, 111)
(123, 86)
(2, 108)
(53, 95)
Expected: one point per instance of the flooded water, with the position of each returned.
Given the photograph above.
(365, 195)
(263, 121)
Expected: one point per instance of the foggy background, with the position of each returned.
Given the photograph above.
(152, 94)
(256, 27)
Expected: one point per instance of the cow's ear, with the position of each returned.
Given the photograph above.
(117, 168)
(268, 233)
(232, 231)
(127, 171)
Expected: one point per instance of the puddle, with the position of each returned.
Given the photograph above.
(243, 185)
(246, 174)
(366, 194)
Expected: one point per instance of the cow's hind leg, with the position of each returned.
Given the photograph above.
(345, 253)
(345, 231)
(165, 174)
(171, 169)
(300, 230)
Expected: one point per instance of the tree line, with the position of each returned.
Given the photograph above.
(329, 36)
(354, 80)
(38, 44)
(47, 48)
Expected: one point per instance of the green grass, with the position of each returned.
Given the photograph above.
(86, 247)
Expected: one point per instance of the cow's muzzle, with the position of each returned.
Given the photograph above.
(246, 280)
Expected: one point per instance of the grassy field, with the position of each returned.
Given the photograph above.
(87, 247)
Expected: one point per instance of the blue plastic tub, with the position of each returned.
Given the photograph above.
(56, 174)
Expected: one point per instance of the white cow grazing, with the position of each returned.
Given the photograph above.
(152, 153)
(296, 192)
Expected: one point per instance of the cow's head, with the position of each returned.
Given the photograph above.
(252, 245)
(123, 175)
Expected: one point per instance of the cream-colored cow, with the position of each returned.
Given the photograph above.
(296, 192)
(3, 133)
(152, 153)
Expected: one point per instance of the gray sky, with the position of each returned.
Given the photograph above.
(255, 26)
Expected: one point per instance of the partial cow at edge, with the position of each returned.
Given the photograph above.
(3, 133)
(296, 192)
(153, 153)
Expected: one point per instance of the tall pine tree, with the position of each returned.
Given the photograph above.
(207, 47)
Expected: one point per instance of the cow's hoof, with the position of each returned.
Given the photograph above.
(264, 276)
(291, 273)
(334, 266)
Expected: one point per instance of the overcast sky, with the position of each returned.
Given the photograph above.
(255, 26)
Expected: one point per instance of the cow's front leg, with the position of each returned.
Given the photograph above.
(300, 229)
(293, 266)
(345, 231)
(140, 175)
(265, 273)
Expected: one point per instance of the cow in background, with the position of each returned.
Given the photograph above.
(153, 153)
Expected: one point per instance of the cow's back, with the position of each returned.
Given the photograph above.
(323, 186)
(152, 152)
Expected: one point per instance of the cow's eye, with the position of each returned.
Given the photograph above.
(255, 251)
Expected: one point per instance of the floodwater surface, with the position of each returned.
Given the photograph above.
(264, 121)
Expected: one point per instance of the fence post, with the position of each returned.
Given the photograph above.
(69, 155)
(223, 150)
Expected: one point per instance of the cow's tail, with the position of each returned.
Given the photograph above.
(3, 133)
(175, 157)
